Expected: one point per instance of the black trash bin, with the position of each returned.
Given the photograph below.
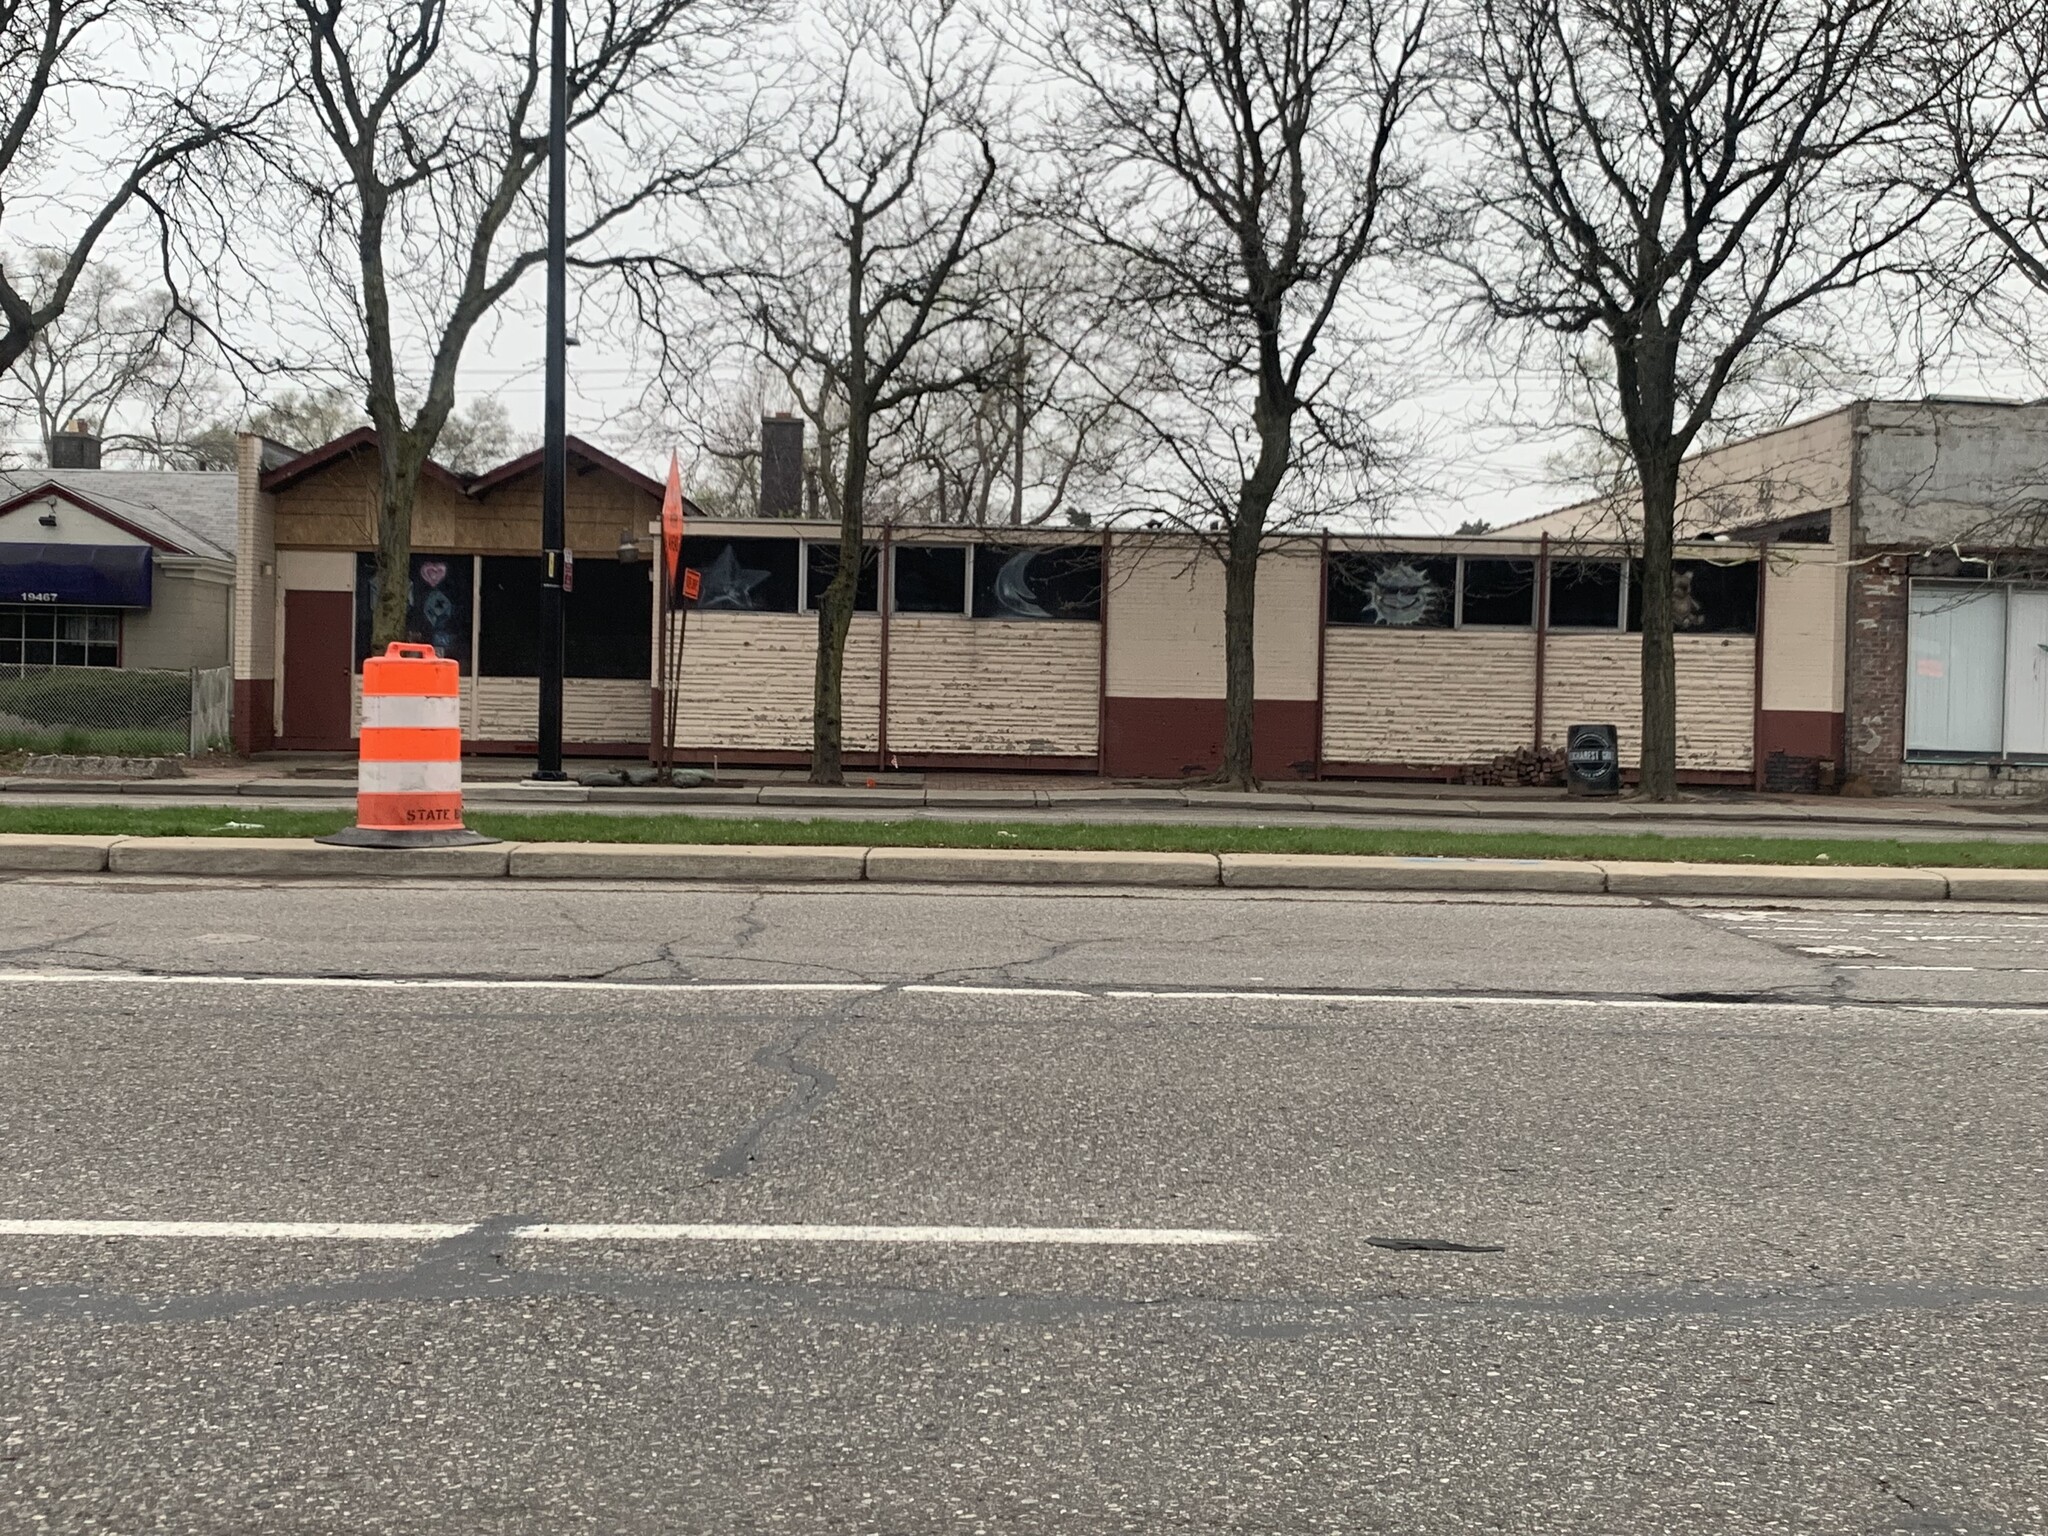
(1592, 760)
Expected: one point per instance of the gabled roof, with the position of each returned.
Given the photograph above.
(582, 456)
(294, 470)
(186, 512)
(590, 458)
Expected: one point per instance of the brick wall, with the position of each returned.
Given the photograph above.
(1876, 683)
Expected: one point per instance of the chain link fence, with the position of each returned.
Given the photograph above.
(113, 711)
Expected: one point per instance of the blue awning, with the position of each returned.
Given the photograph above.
(79, 575)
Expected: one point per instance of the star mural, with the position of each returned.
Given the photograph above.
(728, 584)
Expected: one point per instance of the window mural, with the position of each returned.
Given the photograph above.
(822, 559)
(930, 578)
(742, 575)
(1706, 598)
(1038, 581)
(1393, 591)
(437, 604)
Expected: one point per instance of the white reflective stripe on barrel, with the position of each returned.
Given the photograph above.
(411, 711)
(409, 778)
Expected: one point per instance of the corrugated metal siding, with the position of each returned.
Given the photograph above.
(593, 709)
(973, 685)
(1443, 696)
(746, 682)
(1805, 596)
(1598, 679)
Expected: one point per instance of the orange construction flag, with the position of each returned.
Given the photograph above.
(672, 518)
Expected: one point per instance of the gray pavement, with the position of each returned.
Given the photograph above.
(1767, 1184)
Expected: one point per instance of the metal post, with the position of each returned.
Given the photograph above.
(554, 470)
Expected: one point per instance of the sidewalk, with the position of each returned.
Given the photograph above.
(498, 782)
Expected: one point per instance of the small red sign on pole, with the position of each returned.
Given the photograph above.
(693, 583)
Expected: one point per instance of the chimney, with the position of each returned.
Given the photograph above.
(76, 447)
(782, 465)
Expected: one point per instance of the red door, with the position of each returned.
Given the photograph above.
(319, 661)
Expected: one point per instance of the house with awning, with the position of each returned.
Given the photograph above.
(116, 568)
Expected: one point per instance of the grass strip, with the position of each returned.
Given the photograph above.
(588, 827)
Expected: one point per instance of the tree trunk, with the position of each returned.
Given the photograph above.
(1240, 593)
(1659, 772)
(835, 611)
(398, 488)
(1273, 419)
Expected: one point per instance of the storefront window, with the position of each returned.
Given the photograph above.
(607, 619)
(1038, 581)
(1955, 671)
(36, 636)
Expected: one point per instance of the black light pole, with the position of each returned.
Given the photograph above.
(554, 461)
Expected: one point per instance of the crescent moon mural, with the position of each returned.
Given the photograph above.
(1013, 592)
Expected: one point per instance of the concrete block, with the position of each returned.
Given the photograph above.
(1251, 800)
(292, 858)
(70, 765)
(1330, 872)
(1792, 880)
(1059, 797)
(681, 799)
(667, 861)
(1040, 866)
(847, 797)
(990, 799)
(70, 786)
(302, 789)
(54, 852)
(525, 794)
(1996, 884)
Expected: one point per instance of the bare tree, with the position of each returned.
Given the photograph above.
(425, 210)
(857, 268)
(1686, 181)
(104, 106)
(113, 357)
(1238, 161)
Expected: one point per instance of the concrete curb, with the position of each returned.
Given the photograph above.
(662, 861)
(294, 858)
(1040, 866)
(1325, 872)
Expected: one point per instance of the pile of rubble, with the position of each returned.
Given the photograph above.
(1533, 766)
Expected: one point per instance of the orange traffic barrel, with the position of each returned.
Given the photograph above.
(409, 769)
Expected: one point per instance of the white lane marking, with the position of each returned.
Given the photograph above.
(635, 1232)
(273, 1231)
(432, 983)
(655, 988)
(741, 1232)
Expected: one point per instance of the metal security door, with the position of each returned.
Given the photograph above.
(2026, 675)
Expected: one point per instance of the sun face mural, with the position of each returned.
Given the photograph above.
(1392, 591)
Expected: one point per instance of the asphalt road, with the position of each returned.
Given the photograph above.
(1085, 1195)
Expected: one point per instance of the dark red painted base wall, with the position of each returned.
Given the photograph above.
(1801, 733)
(1183, 738)
(254, 712)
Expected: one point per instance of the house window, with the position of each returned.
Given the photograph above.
(1038, 581)
(930, 578)
(35, 636)
(1707, 598)
(437, 606)
(607, 619)
(1392, 591)
(742, 575)
(1585, 594)
(821, 561)
(1497, 593)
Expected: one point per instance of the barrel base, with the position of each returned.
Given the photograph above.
(373, 837)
